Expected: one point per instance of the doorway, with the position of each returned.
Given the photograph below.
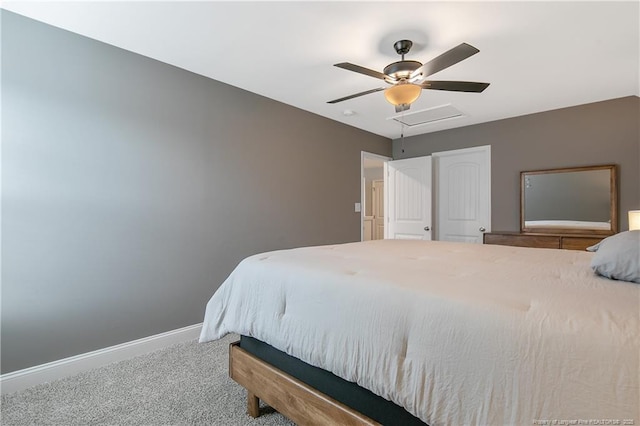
(372, 221)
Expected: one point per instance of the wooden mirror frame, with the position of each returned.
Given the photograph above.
(558, 230)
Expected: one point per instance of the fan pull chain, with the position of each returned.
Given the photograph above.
(402, 131)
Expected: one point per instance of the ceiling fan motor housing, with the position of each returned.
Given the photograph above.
(402, 69)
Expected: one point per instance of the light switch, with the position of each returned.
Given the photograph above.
(358, 208)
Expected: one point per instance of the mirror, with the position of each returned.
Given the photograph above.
(576, 200)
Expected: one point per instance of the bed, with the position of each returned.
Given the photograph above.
(452, 333)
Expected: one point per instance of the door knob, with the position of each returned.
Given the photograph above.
(426, 228)
(482, 229)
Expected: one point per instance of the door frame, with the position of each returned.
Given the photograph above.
(363, 155)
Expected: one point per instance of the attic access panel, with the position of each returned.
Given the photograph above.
(429, 115)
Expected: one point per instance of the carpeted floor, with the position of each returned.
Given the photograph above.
(185, 384)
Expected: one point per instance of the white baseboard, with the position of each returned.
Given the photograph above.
(22, 379)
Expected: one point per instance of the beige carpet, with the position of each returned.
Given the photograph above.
(185, 384)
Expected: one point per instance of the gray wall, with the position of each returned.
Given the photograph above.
(131, 189)
(592, 134)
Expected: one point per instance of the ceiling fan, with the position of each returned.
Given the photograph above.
(407, 78)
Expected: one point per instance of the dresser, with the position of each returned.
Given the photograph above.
(559, 241)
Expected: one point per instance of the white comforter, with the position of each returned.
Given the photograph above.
(456, 333)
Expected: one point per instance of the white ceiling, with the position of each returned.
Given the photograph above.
(536, 55)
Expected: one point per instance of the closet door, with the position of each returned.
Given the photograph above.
(408, 198)
(463, 194)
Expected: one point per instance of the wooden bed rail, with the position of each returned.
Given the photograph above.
(294, 399)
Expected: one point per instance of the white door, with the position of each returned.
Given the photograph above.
(378, 209)
(408, 206)
(367, 234)
(463, 193)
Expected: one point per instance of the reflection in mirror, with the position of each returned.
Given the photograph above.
(569, 200)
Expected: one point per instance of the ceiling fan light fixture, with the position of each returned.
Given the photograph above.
(403, 93)
(407, 77)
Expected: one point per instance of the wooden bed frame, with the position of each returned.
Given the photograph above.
(291, 397)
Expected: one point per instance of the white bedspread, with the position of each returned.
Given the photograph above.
(458, 334)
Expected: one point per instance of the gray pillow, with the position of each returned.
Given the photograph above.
(618, 256)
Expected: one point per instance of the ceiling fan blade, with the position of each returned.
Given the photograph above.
(335, 101)
(448, 58)
(362, 70)
(455, 86)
